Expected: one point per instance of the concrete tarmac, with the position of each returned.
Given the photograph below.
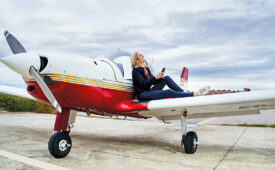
(132, 144)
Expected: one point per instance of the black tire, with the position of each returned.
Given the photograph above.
(190, 142)
(60, 144)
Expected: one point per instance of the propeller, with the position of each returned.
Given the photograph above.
(28, 63)
(14, 44)
(45, 89)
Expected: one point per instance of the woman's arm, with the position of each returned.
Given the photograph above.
(159, 75)
(143, 82)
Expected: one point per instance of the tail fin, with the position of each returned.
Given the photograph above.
(184, 79)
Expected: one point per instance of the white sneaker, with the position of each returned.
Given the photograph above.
(204, 91)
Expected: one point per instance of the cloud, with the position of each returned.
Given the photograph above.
(227, 45)
(10, 78)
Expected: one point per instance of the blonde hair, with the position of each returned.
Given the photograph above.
(135, 62)
(134, 59)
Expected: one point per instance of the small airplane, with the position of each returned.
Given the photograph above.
(103, 85)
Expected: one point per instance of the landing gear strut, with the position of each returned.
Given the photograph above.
(190, 139)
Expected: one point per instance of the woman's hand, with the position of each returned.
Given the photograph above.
(159, 75)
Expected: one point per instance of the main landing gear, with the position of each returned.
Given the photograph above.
(190, 139)
(60, 142)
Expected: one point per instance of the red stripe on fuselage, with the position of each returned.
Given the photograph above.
(76, 96)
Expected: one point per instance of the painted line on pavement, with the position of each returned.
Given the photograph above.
(208, 120)
(29, 161)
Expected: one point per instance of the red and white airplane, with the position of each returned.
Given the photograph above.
(103, 85)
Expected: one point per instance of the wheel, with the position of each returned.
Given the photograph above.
(60, 144)
(190, 142)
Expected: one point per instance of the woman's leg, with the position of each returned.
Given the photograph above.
(161, 94)
(169, 82)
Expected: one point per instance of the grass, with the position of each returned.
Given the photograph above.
(18, 104)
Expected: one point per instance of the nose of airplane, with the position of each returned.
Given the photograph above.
(22, 62)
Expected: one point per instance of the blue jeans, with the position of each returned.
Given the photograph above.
(157, 93)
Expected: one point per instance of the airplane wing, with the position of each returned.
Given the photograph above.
(220, 105)
(15, 92)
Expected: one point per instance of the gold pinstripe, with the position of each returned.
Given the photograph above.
(85, 81)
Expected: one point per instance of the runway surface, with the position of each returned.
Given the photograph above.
(133, 144)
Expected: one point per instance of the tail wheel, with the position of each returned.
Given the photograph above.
(190, 142)
(60, 144)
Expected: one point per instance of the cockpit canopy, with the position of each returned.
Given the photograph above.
(122, 59)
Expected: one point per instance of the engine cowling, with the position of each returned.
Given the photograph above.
(22, 62)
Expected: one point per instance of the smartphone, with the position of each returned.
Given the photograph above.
(163, 70)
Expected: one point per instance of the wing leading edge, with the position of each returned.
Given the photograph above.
(15, 92)
(212, 106)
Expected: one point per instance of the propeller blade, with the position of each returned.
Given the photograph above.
(45, 89)
(14, 44)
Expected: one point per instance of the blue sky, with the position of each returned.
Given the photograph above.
(227, 44)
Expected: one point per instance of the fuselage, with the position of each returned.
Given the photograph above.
(94, 85)
(100, 85)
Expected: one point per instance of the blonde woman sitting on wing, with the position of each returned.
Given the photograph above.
(149, 87)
